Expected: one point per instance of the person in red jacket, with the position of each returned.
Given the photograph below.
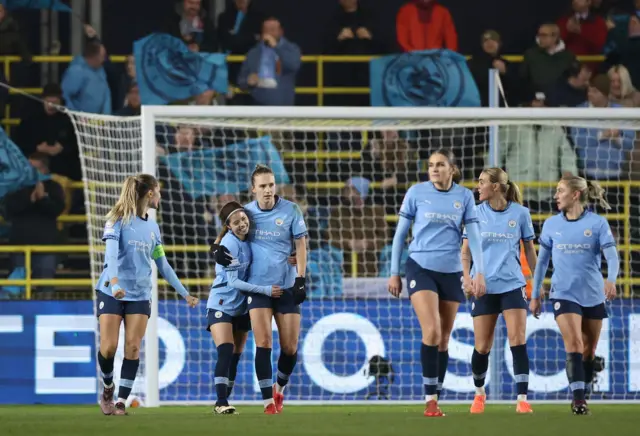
(424, 25)
(583, 32)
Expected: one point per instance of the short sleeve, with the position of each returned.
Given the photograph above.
(605, 236)
(112, 230)
(545, 236)
(526, 226)
(408, 208)
(298, 226)
(470, 214)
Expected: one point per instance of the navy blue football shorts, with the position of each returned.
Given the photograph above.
(565, 306)
(284, 304)
(240, 323)
(107, 304)
(448, 286)
(494, 304)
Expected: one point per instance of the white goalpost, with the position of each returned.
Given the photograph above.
(349, 168)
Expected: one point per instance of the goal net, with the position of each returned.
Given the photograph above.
(348, 169)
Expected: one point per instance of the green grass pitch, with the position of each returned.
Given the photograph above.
(498, 420)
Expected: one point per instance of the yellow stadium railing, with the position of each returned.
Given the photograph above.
(319, 90)
(626, 248)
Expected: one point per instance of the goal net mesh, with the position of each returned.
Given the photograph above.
(349, 177)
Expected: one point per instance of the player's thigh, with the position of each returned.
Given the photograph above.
(288, 331)
(570, 325)
(591, 329)
(426, 307)
(516, 321)
(135, 326)
(483, 328)
(109, 334)
(448, 310)
(221, 333)
(261, 326)
(241, 329)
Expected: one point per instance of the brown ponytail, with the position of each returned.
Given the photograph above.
(513, 193)
(226, 211)
(596, 193)
(589, 191)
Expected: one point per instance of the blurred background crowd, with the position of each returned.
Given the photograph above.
(549, 53)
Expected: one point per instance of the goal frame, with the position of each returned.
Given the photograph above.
(490, 116)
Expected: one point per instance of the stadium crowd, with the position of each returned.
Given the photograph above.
(548, 76)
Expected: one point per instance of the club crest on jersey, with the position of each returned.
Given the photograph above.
(279, 221)
(588, 233)
(457, 204)
(512, 223)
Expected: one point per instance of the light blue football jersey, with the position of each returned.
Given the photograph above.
(576, 247)
(501, 232)
(272, 238)
(438, 217)
(226, 293)
(138, 243)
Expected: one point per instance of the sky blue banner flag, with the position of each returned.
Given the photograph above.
(423, 78)
(168, 71)
(224, 170)
(54, 5)
(15, 170)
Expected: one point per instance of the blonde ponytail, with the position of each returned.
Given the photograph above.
(126, 207)
(595, 192)
(513, 193)
(132, 201)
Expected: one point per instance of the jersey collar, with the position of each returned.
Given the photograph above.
(145, 218)
(499, 211)
(277, 198)
(443, 190)
(582, 215)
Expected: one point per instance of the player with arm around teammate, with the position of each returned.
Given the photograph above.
(227, 314)
(277, 229)
(124, 287)
(504, 222)
(576, 238)
(438, 209)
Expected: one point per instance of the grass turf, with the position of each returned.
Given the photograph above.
(548, 420)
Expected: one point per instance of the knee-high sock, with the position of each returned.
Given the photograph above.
(575, 374)
(286, 363)
(127, 377)
(106, 369)
(233, 370)
(429, 359)
(264, 372)
(221, 373)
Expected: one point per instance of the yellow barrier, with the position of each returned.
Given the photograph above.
(319, 90)
(626, 280)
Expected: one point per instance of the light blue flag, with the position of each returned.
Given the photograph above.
(167, 71)
(224, 170)
(423, 78)
(54, 5)
(15, 170)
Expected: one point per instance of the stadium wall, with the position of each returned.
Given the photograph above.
(47, 354)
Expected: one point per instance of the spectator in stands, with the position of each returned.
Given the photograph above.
(270, 69)
(124, 81)
(532, 153)
(84, 83)
(624, 42)
(49, 131)
(192, 24)
(391, 161)
(424, 25)
(356, 227)
(350, 31)
(583, 32)
(545, 63)
(132, 102)
(33, 212)
(603, 152)
(488, 58)
(12, 41)
(569, 91)
(239, 27)
(622, 90)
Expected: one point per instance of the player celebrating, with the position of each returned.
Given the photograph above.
(439, 209)
(504, 222)
(227, 315)
(276, 222)
(124, 287)
(575, 238)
